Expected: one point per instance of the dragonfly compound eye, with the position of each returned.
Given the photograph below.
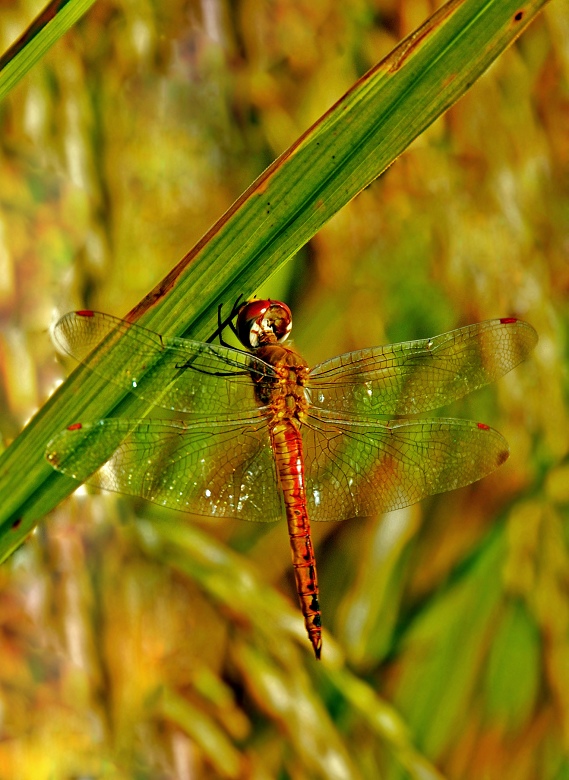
(263, 322)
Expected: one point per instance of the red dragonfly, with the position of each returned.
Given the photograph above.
(267, 436)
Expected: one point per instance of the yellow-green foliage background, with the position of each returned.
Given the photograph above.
(136, 643)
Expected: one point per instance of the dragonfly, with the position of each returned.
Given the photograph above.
(266, 436)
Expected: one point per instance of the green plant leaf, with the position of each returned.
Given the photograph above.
(514, 656)
(357, 139)
(47, 28)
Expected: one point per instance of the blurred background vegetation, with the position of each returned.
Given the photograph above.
(140, 643)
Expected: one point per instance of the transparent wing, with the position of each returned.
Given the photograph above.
(205, 380)
(355, 469)
(416, 376)
(220, 470)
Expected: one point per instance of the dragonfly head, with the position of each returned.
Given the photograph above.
(263, 322)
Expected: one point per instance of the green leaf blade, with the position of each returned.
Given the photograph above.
(45, 30)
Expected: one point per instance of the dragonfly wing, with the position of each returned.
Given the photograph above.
(221, 470)
(415, 376)
(355, 469)
(205, 380)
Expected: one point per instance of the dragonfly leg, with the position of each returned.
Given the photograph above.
(228, 322)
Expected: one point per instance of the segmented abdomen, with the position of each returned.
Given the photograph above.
(287, 445)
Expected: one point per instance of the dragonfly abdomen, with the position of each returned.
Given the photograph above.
(289, 457)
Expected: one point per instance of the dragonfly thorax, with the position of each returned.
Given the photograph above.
(285, 391)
